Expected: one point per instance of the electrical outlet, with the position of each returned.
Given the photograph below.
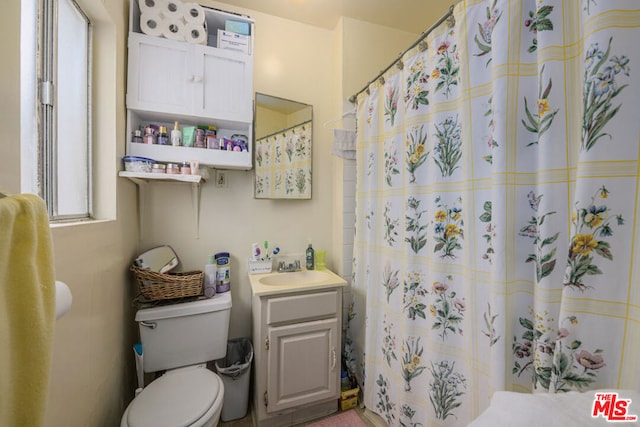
(221, 179)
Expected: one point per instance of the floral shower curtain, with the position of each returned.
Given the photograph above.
(497, 191)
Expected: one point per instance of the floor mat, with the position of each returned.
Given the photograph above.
(349, 418)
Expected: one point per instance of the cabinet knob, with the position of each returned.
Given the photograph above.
(198, 79)
(191, 78)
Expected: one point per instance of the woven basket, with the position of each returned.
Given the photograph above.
(160, 286)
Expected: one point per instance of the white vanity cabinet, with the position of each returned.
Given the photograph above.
(193, 84)
(297, 339)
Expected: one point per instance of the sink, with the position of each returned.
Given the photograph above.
(304, 277)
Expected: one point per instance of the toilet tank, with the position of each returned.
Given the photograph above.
(184, 334)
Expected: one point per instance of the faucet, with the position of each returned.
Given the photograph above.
(292, 266)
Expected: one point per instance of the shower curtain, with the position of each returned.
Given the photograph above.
(497, 192)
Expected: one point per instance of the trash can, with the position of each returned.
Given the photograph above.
(235, 372)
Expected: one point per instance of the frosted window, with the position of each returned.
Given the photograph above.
(72, 154)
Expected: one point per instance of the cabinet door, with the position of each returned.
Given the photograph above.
(225, 87)
(161, 75)
(302, 364)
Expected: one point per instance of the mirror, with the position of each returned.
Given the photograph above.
(283, 131)
(160, 259)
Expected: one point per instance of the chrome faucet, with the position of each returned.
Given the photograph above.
(292, 266)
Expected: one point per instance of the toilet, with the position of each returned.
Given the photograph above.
(180, 339)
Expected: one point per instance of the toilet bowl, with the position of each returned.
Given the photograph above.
(184, 397)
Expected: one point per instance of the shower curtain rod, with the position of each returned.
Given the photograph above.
(449, 14)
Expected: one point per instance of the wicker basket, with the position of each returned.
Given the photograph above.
(160, 286)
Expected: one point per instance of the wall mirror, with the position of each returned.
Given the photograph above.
(283, 130)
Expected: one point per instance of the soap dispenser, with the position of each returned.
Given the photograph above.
(310, 257)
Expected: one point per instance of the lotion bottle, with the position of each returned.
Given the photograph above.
(176, 135)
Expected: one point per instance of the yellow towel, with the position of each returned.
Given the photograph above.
(27, 310)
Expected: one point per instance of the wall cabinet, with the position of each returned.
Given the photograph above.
(297, 354)
(192, 84)
(187, 80)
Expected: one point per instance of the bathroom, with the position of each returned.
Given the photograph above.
(93, 369)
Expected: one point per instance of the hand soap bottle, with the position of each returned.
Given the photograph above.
(310, 257)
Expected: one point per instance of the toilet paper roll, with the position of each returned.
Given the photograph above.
(173, 29)
(151, 6)
(151, 24)
(63, 299)
(195, 33)
(173, 9)
(193, 13)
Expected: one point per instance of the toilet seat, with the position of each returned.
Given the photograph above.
(179, 398)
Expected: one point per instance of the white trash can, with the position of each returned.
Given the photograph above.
(235, 372)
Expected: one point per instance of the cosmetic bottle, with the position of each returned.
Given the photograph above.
(163, 137)
(176, 135)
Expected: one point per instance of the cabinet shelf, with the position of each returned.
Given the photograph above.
(167, 153)
(141, 179)
(149, 176)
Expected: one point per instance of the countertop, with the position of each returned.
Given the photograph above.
(258, 289)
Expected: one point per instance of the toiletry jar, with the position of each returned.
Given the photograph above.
(137, 164)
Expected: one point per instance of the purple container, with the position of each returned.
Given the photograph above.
(223, 272)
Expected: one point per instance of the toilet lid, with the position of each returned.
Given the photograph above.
(177, 399)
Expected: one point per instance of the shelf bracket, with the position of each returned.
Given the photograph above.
(195, 206)
(141, 184)
(143, 178)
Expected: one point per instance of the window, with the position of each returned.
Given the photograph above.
(57, 165)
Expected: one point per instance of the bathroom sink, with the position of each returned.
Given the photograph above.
(304, 277)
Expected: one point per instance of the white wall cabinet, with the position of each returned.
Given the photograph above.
(192, 84)
(297, 354)
(187, 80)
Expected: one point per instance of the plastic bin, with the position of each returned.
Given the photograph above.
(235, 372)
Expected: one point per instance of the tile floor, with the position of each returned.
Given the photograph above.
(248, 422)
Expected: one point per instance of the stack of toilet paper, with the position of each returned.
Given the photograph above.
(173, 20)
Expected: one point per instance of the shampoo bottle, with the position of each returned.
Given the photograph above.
(210, 278)
(310, 257)
(176, 135)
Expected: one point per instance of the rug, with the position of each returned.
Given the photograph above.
(348, 418)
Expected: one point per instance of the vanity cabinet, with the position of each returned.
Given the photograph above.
(297, 339)
(193, 84)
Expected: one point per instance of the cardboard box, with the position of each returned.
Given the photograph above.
(349, 398)
(238, 27)
(234, 41)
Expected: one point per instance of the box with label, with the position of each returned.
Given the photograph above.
(238, 27)
(349, 398)
(234, 41)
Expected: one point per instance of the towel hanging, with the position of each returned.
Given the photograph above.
(344, 143)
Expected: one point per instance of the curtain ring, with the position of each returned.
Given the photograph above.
(422, 46)
(400, 65)
(451, 20)
(381, 80)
